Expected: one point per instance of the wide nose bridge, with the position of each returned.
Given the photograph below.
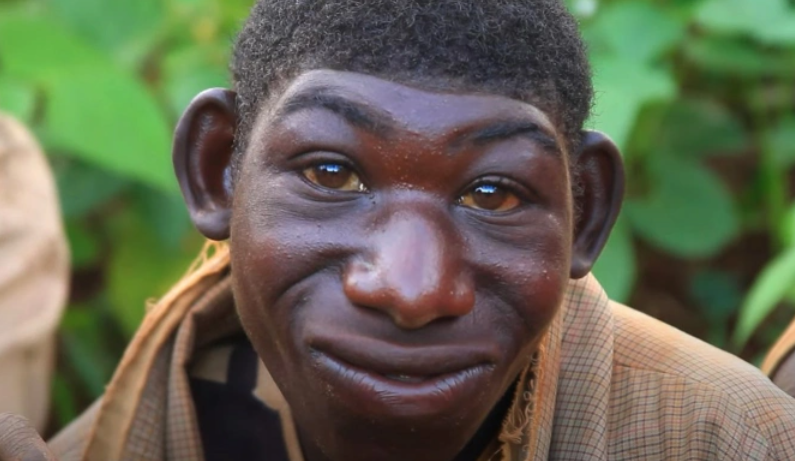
(412, 271)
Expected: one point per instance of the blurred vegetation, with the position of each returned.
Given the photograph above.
(699, 94)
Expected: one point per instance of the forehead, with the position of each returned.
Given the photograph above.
(431, 109)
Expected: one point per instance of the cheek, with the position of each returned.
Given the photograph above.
(277, 251)
(260, 252)
(531, 281)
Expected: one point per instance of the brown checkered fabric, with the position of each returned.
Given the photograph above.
(608, 383)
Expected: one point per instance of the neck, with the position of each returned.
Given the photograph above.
(490, 428)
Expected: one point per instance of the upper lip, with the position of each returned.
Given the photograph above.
(389, 359)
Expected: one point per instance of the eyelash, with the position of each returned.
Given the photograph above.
(315, 159)
(521, 192)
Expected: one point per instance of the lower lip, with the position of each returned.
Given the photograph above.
(374, 394)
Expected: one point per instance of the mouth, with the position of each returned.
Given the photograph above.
(406, 378)
(401, 381)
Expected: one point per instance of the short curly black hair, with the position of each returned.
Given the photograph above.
(529, 50)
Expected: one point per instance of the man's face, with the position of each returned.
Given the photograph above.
(397, 255)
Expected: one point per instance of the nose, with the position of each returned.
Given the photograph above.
(412, 272)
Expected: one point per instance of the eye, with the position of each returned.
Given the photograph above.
(490, 197)
(334, 176)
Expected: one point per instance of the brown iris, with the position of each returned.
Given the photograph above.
(334, 176)
(490, 197)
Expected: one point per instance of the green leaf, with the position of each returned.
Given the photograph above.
(39, 48)
(637, 31)
(141, 268)
(687, 212)
(234, 12)
(582, 8)
(166, 214)
(119, 126)
(125, 29)
(616, 269)
(780, 141)
(17, 98)
(717, 295)
(768, 290)
(83, 187)
(623, 86)
(83, 246)
(188, 71)
(768, 21)
(94, 110)
(691, 128)
(84, 346)
(730, 57)
(787, 230)
(63, 401)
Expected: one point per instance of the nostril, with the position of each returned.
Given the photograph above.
(411, 271)
(460, 299)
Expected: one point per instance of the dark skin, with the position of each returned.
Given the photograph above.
(397, 253)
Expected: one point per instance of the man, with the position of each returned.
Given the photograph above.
(412, 209)
(34, 273)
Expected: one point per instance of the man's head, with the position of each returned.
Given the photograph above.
(526, 50)
(400, 216)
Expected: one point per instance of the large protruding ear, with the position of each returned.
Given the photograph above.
(599, 177)
(202, 155)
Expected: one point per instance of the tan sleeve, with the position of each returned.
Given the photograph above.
(33, 273)
(779, 363)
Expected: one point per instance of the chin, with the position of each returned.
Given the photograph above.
(390, 417)
(381, 440)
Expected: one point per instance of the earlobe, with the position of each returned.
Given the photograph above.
(599, 172)
(202, 156)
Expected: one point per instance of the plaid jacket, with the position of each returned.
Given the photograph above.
(608, 383)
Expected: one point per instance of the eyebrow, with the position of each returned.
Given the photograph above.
(355, 113)
(382, 125)
(507, 129)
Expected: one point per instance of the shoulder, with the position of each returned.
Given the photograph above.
(27, 188)
(643, 342)
(693, 378)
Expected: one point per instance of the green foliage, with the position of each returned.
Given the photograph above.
(624, 86)
(654, 31)
(102, 83)
(773, 284)
(680, 84)
(718, 296)
(73, 74)
(687, 211)
(616, 266)
(138, 264)
(691, 129)
(125, 30)
(697, 94)
(780, 140)
(18, 98)
(771, 22)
